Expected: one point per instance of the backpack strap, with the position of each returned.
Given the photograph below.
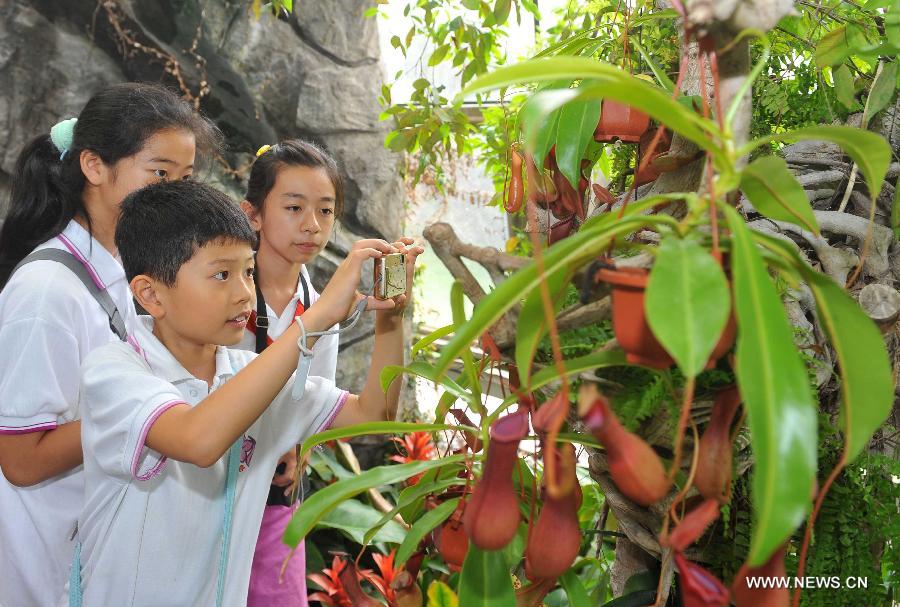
(116, 322)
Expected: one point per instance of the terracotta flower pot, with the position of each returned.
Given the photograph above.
(620, 121)
(630, 323)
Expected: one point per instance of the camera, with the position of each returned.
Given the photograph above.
(390, 276)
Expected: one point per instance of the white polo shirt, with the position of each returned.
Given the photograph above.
(151, 529)
(49, 322)
(325, 350)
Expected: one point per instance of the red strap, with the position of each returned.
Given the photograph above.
(251, 322)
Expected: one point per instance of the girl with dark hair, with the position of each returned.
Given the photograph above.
(64, 293)
(294, 196)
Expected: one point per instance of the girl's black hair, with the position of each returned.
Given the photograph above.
(46, 192)
(293, 152)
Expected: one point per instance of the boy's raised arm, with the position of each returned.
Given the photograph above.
(202, 434)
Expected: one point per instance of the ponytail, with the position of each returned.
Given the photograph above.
(45, 194)
(47, 183)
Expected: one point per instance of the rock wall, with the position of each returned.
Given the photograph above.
(314, 74)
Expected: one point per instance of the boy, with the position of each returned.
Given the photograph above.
(152, 531)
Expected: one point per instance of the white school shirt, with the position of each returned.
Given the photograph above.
(49, 322)
(325, 350)
(151, 529)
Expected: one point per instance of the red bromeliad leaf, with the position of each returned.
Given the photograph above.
(329, 580)
(419, 447)
(350, 577)
(382, 583)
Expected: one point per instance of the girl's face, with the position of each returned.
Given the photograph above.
(297, 216)
(166, 155)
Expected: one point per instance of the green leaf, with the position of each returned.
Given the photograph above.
(438, 55)
(780, 408)
(562, 47)
(883, 88)
(409, 498)
(485, 580)
(457, 307)
(355, 519)
(423, 527)
(687, 302)
(323, 501)
(370, 428)
(575, 590)
(543, 137)
(501, 11)
(837, 45)
(658, 72)
(431, 338)
(869, 150)
(592, 238)
(577, 121)
(602, 81)
(867, 389)
(532, 324)
(775, 193)
(440, 595)
(572, 366)
(426, 370)
(892, 24)
(844, 87)
(867, 386)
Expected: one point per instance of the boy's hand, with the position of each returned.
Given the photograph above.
(408, 247)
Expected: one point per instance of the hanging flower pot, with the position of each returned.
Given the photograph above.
(650, 172)
(630, 324)
(620, 121)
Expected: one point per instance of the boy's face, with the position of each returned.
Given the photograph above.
(298, 214)
(213, 294)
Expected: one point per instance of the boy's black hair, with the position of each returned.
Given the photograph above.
(162, 226)
(46, 190)
(292, 152)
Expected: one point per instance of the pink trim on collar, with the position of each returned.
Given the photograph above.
(80, 257)
(142, 439)
(10, 430)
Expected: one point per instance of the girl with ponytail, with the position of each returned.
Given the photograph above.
(64, 293)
